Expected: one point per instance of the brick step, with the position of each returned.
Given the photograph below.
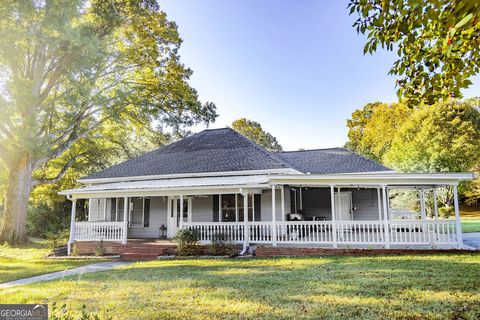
(139, 256)
(146, 250)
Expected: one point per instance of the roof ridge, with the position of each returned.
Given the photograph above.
(317, 149)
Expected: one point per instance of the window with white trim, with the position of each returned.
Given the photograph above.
(232, 207)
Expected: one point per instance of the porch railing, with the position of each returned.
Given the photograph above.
(423, 232)
(207, 230)
(402, 232)
(91, 230)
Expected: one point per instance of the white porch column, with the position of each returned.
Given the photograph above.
(190, 209)
(301, 198)
(457, 217)
(379, 201)
(105, 209)
(125, 219)
(282, 198)
(422, 203)
(253, 206)
(334, 225)
(246, 239)
(72, 226)
(435, 204)
(236, 206)
(386, 217)
(274, 217)
(220, 218)
(181, 212)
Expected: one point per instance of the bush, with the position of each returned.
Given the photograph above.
(187, 242)
(222, 245)
(75, 250)
(43, 220)
(100, 249)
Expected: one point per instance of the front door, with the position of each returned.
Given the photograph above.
(172, 216)
(174, 213)
(343, 206)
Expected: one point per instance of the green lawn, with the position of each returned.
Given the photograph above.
(28, 260)
(471, 225)
(470, 217)
(387, 287)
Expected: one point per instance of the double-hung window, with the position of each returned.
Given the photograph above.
(138, 210)
(232, 207)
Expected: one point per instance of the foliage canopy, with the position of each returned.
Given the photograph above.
(437, 42)
(74, 70)
(254, 131)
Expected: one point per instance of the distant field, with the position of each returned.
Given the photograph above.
(470, 219)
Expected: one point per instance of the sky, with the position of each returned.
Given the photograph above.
(295, 66)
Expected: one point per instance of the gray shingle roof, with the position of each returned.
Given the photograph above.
(214, 150)
(334, 160)
(220, 150)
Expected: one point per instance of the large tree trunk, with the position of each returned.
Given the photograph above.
(13, 229)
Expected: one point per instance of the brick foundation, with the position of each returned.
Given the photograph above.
(270, 251)
(117, 248)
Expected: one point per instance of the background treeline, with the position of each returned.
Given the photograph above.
(443, 137)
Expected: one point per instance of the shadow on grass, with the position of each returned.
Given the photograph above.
(421, 286)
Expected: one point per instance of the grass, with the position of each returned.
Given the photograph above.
(28, 260)
(470, 217)
(386, 287)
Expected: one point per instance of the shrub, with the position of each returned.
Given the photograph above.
(222, 245)
(100, 249)
(187, 242)
(75, 250)
(43, 219)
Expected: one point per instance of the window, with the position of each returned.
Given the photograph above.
(117, 210)
(228, 207)
(232, 207)
(137, 212)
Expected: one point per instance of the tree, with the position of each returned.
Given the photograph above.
(72, 67)
(440, 138)
(437, 42)
(254, 131)
(372, 128)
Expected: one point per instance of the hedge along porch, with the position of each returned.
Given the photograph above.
(338, 210)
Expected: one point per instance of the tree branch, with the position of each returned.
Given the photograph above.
(60, 175)
(72, 138)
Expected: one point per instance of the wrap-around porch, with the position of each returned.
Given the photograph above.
(333, 215)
